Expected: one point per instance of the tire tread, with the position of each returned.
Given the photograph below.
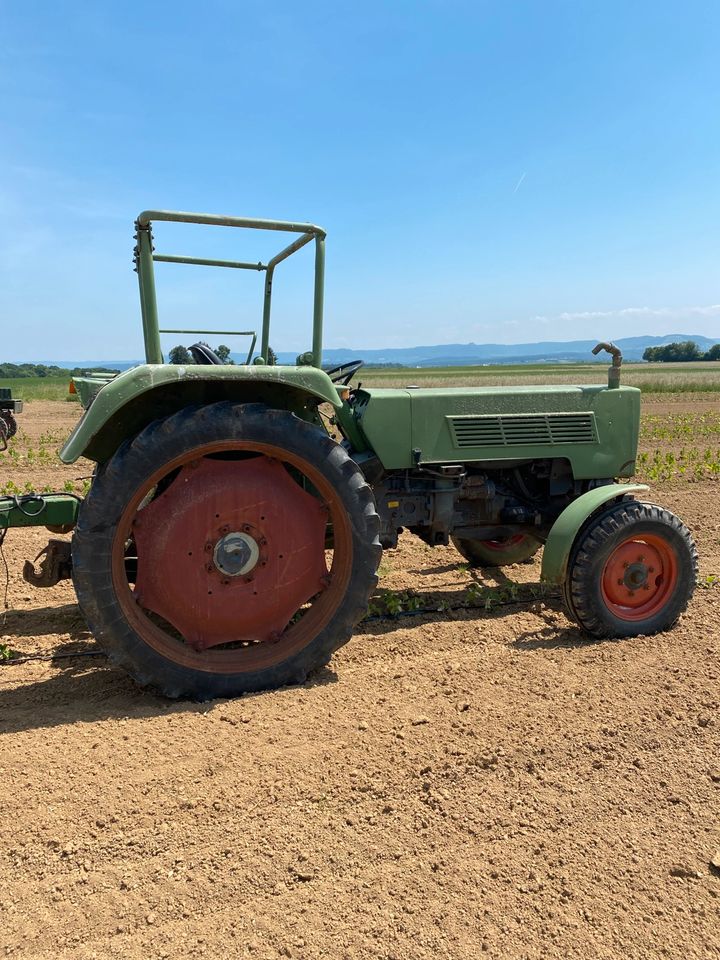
(619, 518)
(133, 462)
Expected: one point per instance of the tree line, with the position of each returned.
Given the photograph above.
(181, 355)
(19, 371)
(680, 352)
(178, 355)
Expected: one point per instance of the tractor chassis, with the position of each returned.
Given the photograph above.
(229, 541)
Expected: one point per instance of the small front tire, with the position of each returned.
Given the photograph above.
(632, 571)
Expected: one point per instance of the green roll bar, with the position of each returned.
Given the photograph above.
(145, 256)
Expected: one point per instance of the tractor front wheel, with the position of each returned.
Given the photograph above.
(632, 571)
(497, 553)
(225, 549)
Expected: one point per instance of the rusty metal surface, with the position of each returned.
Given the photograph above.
(56, 565)
(8, 428)
(177, 536)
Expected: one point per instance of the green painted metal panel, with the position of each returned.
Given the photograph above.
(88, 387)
(596, 429)
(41, 510)
(148, 297)
(350, 428)
(384, 417)
(565, 529)
(141, 381)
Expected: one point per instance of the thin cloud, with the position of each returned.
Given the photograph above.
(710, 310)
(517, 185)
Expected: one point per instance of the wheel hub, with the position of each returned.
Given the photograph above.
(230, 551)
(639, 577)
(236, 554)
(636, 576)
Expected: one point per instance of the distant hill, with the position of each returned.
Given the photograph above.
(468, 354)
(454, 354)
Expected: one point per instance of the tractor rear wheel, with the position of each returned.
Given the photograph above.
(225, 549)
(632, 571)
(497, 553)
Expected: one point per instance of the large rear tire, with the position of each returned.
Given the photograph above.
(632, 571)
(226, 549)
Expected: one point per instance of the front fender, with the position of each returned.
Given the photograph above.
(140, 395)
(567, 526)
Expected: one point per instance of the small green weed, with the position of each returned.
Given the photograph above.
(708, 582)
(394, 602)
(690, 462)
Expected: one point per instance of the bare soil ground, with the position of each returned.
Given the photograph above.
(458, 785)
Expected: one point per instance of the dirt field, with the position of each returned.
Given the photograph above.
(471, 783)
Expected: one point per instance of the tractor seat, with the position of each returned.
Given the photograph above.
(204, 356)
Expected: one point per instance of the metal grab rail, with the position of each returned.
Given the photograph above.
(144, 257)
(221, 333)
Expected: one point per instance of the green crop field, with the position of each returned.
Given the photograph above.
(702, 377)
(39, 388)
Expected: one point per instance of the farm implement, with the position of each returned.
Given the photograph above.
(237, 514)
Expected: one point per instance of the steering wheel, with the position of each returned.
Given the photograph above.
(344, 371)
(205, 355)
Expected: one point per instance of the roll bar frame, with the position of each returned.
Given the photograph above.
(145, 257)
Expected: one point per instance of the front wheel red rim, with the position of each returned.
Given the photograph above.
(640, 577)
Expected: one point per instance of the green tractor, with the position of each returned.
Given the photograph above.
(237, 514)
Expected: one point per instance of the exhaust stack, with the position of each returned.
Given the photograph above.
(614, 369)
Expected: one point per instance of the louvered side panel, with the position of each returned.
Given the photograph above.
(530, 429)
(533, 429)
(574, 428)
(477, 431)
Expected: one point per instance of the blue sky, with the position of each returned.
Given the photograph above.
(486, 171)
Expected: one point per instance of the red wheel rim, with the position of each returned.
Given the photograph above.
(640, 577)
(256, 498)
(504, 543)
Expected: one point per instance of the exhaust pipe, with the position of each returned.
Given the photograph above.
(614, 370)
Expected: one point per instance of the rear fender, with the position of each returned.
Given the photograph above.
(567, 526)
(131, 401)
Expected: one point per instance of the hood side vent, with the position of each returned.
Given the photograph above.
(523, 429)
